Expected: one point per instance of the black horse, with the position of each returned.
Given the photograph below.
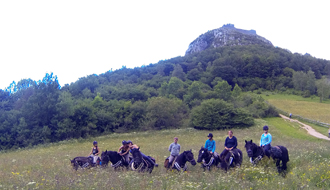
(209, 159)
(180, 162)
(83, 162)
(139, 164)
(115, 158)
(231, 159)
(278, 153)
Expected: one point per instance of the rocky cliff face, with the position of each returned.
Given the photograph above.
(227, 35)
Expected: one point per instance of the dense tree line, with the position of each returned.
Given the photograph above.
(202, 90)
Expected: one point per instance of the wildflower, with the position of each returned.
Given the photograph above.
(31, 183)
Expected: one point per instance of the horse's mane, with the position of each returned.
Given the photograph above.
(260, 150)
(113, 155)
(180, 159)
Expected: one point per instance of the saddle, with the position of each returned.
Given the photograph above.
(167, 162)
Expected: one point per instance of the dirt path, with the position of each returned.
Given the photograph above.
(309, 129)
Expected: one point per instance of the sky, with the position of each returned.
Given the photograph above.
(77, 38)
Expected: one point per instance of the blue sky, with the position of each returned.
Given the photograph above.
(74, 38)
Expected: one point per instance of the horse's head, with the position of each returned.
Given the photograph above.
(105, 158)
(190, 157)
(73, 162)
(250, 148)
(137, 156)
(203, 153)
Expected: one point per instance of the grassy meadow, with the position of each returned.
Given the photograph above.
(305, 107)
(48, 167)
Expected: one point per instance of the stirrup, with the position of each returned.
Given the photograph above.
(230, 160)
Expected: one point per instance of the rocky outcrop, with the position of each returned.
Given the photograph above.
(227, 35)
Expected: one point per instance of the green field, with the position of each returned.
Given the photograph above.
(305, 107)
(48, 167)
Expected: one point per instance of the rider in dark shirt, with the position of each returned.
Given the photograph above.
(230, 144)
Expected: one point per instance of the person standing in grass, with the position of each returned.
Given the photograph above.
(329, 132)
(210, 145)
(95, 152)
(265, 141)
(290, 115)
(174, 148)
(230, 144)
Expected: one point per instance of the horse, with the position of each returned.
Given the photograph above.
(115, 158)
(180, 162)
(83, 162)
(278, 153)
(209, 159)
(139, 164)
(231, 159)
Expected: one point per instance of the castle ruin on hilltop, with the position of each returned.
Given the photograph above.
(231, 26)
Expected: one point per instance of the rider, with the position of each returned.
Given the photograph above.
(174, 148)
(230, 144)
(124, 151)
(95, 152)
(265, 141)
(133, 146)
(210, 145)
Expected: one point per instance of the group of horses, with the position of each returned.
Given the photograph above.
(233, 158)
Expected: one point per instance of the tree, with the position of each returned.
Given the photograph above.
(236, 91)
(223, 90)
(194, 92)
(310, 83)
(178, 72)
(163, 113)
(323, 88)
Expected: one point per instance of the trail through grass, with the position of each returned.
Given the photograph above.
(49, 167)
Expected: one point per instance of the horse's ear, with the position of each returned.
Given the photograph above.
(202, 147)
(190, 150)
(245, 141)
(139, 148)
(251, 141)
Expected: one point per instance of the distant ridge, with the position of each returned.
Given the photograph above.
(227, 35)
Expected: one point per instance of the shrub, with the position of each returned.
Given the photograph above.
(218, 114)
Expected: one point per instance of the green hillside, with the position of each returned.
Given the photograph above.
(164, 95)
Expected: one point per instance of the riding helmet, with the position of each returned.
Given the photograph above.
(95, 142)
(124, 142)
(210, 135)
(129, 142)
(265, 128)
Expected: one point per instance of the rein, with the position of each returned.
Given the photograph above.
(116, 164)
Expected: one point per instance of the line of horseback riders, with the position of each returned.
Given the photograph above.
(231, 156)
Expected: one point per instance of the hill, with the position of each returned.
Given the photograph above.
(156, 96)
(48, 167)
(227, 35)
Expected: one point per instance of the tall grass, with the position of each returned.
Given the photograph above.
(48, 167)
(304, 107)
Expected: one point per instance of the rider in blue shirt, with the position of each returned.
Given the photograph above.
(210, 145)
(265, 141)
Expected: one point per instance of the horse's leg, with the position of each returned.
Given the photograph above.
(278, 165)
(284, 167)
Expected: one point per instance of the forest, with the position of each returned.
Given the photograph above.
(215, 89)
